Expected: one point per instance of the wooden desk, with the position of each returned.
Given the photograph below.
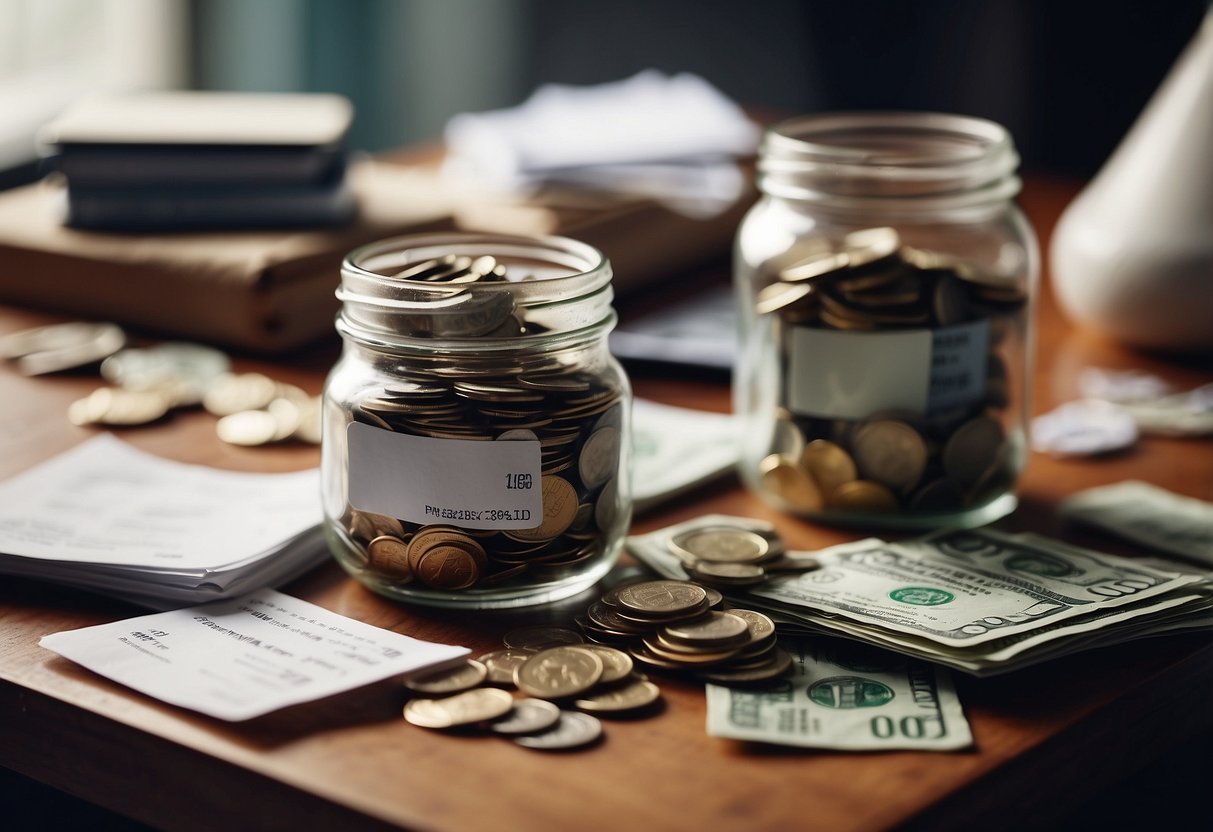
(1047, 738)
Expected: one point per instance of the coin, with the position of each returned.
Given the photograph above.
(599, 458)
(662, 598)
(452, 680)
(559, 509)
(529, 716)
(539, 636)
(616, 664)
(233, 393)
(973, 449)
(247, 427)
(828, 464)
(729, 574)
(501, 663)
(870, 244)
(865, 495)
(466, 708)
(722, 544)
(716, 629)
(572, 730)
(891, 453)
(58, 347)
(633, 696)
(777, 665)
(558, 672)
(117, 407)
(760, 627)
(389, 555)
(192, 366)
(786, 479)
(448, 567)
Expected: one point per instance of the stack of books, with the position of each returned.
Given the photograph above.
(193, 160)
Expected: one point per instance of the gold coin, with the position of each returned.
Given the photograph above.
(890, 452)
(864, 495)
(559, 509)
(471, 706)
(788, 481)
(559, 672)
(828, 464)
(779, 663)
(630, 697)
(389, 555)
(452, 680)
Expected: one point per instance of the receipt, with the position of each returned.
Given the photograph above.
(245, 657)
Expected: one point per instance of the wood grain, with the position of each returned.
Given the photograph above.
(1047, 738)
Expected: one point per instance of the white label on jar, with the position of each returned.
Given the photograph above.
(472, 484)
(838, 374)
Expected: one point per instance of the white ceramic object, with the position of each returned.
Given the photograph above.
(1132, 256)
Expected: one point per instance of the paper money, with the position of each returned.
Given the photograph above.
(976, 600)
(1149, 515)
(845, 696)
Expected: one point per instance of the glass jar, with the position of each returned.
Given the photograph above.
(476, 428)
(886, 283)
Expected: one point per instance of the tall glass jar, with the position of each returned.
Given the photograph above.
(886, 283)
(476, 428)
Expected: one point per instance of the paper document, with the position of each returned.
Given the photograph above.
(108, 517)
(244, 657)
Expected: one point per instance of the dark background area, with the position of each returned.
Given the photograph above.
(1067, 77)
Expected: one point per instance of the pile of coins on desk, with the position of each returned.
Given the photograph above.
(574, 414)
(555, 672)
(148, 383)
(891, 461)
(674, 626)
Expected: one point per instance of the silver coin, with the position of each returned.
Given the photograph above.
(193, 366)
(573, 730)
(529, 716)
(62, 346)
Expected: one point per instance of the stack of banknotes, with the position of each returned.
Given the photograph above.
(980, 601)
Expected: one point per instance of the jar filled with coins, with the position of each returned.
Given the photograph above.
(476, 428)
(885, 281)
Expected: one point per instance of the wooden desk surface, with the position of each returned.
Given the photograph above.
(1047, 738)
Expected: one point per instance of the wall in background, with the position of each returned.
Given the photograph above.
(1067, 78)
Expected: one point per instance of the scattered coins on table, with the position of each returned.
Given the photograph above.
(574, 415)
(148, 383)
(560, 680)
(891, 462)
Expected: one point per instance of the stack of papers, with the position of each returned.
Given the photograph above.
(669, 138)
(186, 160)
(109, 518)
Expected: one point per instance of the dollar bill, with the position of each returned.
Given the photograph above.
(845, 696)
(979, 601)
(1149, 515)
(675, 449)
